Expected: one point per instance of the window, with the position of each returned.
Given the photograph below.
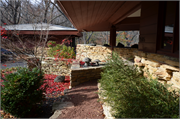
(169, 28)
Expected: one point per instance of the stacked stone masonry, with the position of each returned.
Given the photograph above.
(164, 68)
(161, 67)
(93, 52)
(56, 67)
(106, 107)
(80, 75)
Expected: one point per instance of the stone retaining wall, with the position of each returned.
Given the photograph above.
(56, 67)
(164, 68)
(93, 52)
(107, 108)
(80, 75)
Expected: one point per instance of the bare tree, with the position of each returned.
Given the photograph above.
(26, 12)
(10, 11)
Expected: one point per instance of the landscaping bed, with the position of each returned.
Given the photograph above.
(54, 92)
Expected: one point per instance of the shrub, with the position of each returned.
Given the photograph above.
(21, 92)
(51, 43)
(133, 96)
(60, 50)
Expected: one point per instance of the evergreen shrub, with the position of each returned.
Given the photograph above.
(21, 95)
(131, 95)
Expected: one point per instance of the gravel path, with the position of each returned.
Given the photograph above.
(85, 100)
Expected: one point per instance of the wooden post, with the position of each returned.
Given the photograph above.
(113, 37)
(73, 42)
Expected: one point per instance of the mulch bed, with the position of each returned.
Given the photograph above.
(85, 100)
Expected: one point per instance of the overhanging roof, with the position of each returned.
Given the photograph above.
(37, 28)
(98, 15)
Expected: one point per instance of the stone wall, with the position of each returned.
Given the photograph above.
(50, 66)
(107, 109)
(80, 75)
(164, 68)
(93, 52)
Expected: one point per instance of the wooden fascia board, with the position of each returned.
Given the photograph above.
(65, 12)
(134, 9)
(65, 32)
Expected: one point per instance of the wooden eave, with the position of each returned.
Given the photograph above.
(99, 15)
(54, 32)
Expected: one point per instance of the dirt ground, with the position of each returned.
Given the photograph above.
(85, 100)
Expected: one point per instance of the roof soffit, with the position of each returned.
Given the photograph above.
(88, 15)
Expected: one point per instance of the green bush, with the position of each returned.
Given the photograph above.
(21, 95)
(133, 96)
(59, 50)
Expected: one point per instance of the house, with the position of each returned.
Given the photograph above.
(55, 32)
(149, 17)
(157, 22)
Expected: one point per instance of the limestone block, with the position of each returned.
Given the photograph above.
(172, 63)
(162, 81)
(139, 64)
(173, 86)
(143, 60)
(152, 63)
(137, 59)
(163, 74)
(151, 69)
(56, 114)
(176, 78)
(168, 67)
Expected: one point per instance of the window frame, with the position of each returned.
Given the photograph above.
(174, 52)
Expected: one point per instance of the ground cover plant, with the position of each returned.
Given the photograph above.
(133, 96)
(55, 88)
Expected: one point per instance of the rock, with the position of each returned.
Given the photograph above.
(59, 79)
(139, 64)
(120, 45)
(56, 114)
(152, 63)
(176, 78)
(137, 59)
(61, 105)
(97, 61)
(163, 74)
(86, 59)
(168, 67)
(143, 60)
